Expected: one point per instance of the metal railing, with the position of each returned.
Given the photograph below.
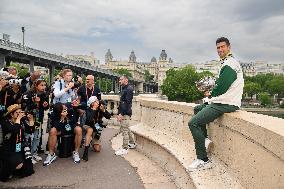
(52, 57)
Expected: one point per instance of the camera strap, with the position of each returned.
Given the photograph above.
(18, 141)
(93, 88)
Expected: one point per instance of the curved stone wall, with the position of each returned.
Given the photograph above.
(248, 148)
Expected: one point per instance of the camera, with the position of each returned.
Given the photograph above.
(15, 81)
(28, 154)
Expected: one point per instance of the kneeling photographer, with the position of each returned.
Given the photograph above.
(92, 122)
(15, 151)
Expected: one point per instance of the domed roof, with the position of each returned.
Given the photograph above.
(153, 59)
(163, 55)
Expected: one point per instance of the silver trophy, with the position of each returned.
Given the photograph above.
(206, 84)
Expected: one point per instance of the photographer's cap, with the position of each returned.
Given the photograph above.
(13, 108)
(91, 100)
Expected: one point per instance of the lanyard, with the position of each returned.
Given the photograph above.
(93, 88)
(19, 136)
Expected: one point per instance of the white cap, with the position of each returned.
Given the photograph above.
(91, 100)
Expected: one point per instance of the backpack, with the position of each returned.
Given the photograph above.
(52, 94)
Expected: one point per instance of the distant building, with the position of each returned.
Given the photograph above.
(87, 59)
(212, 66)
(137, 69)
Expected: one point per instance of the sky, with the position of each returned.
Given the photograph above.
(186, 29)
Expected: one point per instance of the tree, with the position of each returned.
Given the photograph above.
(123, 71)
(264, 98)
(275, 86)
(148, 77)
(22, 69)
(180, 84)
(252, 88)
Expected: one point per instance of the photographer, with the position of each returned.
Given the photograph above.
(92, 122)
(36, 101)
(64, 89)
(15, 152)
(88, 90)
(64, 122)
(13, 94)
(3, 86)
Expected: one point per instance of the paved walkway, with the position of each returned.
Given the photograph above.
(103, 170)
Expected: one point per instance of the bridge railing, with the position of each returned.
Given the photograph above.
(52, 57)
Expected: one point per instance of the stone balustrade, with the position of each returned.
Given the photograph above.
(248, 148)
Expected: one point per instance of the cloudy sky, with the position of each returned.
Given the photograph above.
(186, 29)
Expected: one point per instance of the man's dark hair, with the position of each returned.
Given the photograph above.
(223, 39)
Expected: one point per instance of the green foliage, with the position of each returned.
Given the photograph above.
(148, 77)
(105, 84)
(123, 71)
(264, 99)
(180, 84)
(252, 88)
(22, 69)
(275, 86)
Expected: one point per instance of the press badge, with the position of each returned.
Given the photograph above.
(69, 99)
(67, 127)
(18, 147)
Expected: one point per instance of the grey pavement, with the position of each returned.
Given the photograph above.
(104, 170)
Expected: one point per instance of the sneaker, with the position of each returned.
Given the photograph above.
(76, 157)
(34, 161)
(132, 146)
(208, 144)
(199, 164)
(49, 159)
(121, 152)
(37, 157)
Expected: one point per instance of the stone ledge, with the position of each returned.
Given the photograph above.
(170, 150)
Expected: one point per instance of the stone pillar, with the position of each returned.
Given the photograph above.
(2, 61)
(51, 73)
(115, 110)
(113, 84)
(32, 64)
(109, 105)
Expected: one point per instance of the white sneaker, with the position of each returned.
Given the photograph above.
(208, 144)
(37, 157)
(49, 159)
(132, 146)
(199, 164)
(121, 152)
(76, 157)
(34, 161)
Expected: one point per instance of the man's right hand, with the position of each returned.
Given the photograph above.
(119, 117)
(69, 86)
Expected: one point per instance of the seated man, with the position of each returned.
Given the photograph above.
(64, 122)
(92, 122)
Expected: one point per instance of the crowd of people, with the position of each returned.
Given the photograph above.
(75, 108)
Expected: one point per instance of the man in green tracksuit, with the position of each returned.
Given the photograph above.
(226, 97)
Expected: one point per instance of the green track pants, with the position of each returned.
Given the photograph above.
(205, 114)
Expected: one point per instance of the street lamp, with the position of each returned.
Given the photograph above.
(23, 30)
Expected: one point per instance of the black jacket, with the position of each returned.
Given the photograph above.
(125, 106)
(29, 105)
(83, 94)
(91, 117)
(10, 133)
